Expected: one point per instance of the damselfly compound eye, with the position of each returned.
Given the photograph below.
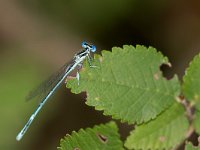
(84, 45)
(93, 48)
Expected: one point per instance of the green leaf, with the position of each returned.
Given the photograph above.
(165, 132)
(191, 80)
(196, 121)
(127, 84)
(102, 137)
(189, 146)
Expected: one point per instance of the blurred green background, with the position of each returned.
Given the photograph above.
(39, 36)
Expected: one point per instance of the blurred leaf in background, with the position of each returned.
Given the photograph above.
(17, 74)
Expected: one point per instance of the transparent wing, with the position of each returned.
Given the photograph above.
(46, 86)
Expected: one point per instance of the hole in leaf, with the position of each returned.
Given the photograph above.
(102, 138)
(76, 148)
(194, 137)
(166, 71)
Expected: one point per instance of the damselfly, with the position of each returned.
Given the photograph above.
(48, 87)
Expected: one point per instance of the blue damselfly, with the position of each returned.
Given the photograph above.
(48, 87)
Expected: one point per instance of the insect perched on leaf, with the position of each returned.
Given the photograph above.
(48, 87)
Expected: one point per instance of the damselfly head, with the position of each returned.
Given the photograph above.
(91, 48)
